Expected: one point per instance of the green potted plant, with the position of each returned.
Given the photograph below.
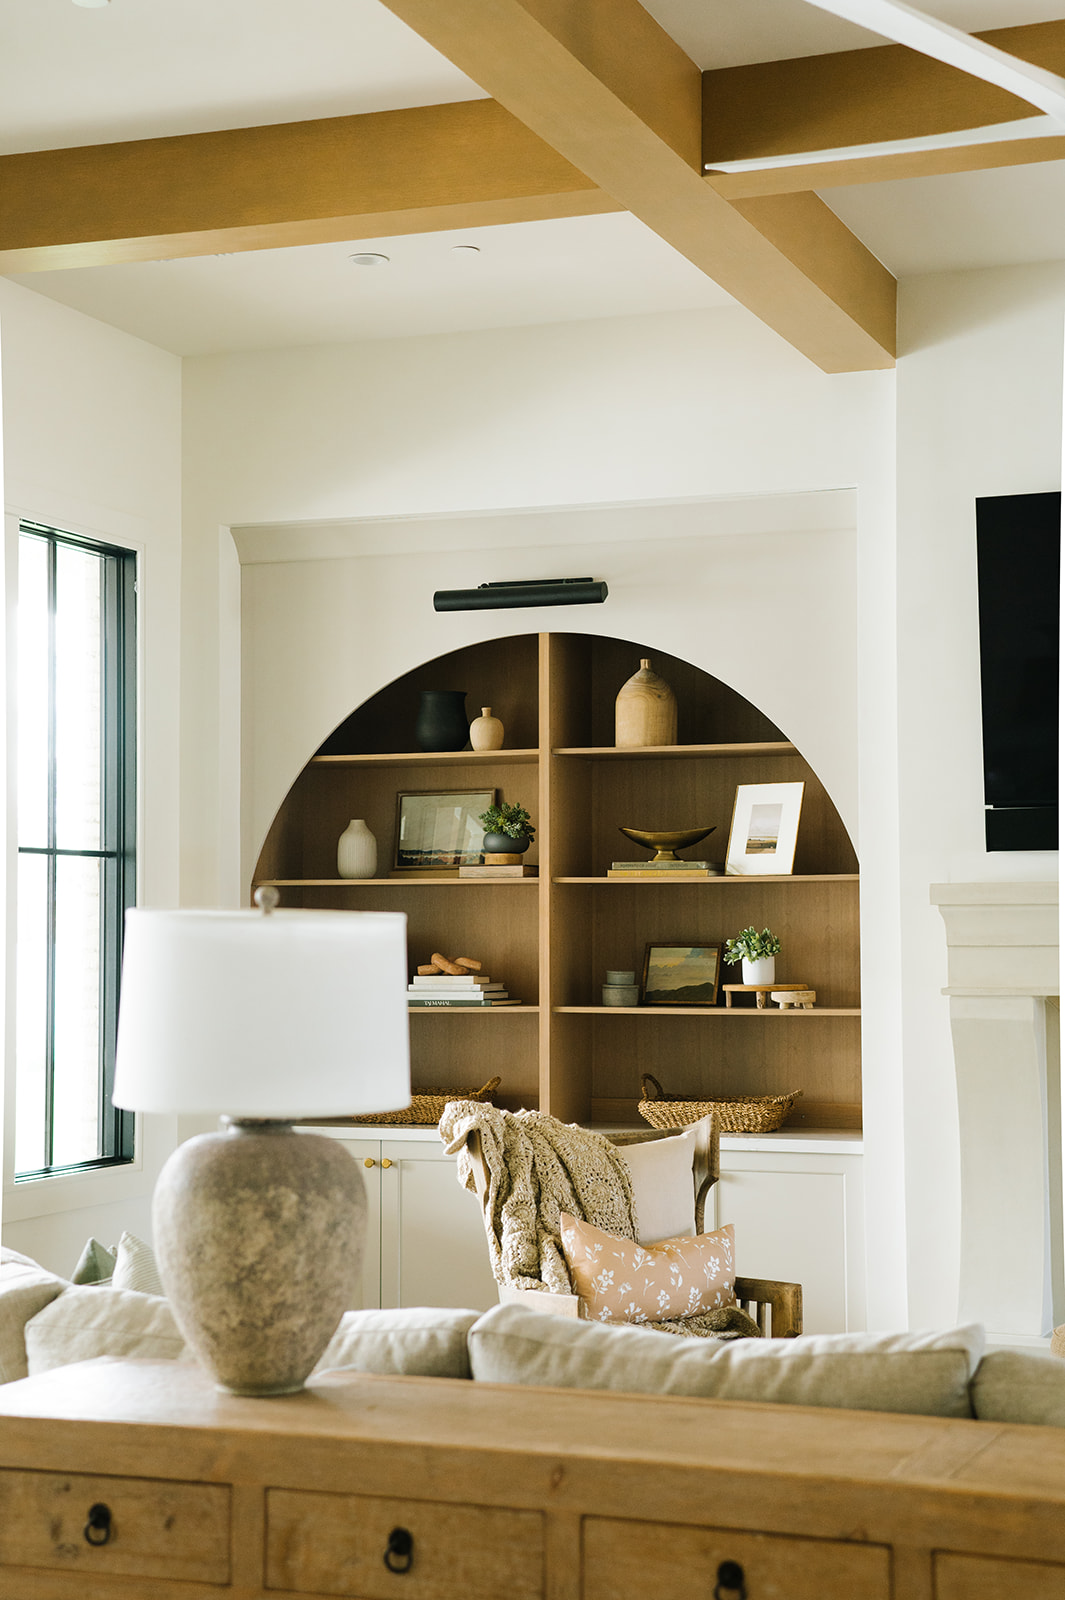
(757, 951)
(508, 829)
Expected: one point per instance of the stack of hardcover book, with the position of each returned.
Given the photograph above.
(685, 871)
(472, 990)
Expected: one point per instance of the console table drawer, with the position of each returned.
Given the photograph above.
(631, 1560)
(146, 1529)
(991, 1577)
(336, 1544)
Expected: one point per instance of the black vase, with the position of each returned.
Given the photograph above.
(442, 721)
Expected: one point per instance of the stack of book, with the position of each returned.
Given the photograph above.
(515, 869)
(472, 990)
(682, 871)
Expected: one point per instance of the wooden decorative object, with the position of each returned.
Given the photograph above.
(645, 711)
(486, 731)
(790, 999)
(759, 990)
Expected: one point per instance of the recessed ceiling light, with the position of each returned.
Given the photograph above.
(466, 251)
(91, 5)
(368, 258)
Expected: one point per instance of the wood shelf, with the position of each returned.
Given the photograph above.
(747, 882)
(473, 1011)
(424, 758)
(677, 752)
(413, 880)
(708, 1011)
(555, 695)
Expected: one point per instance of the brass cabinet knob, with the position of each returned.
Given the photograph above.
(369, 1162)
(385, 1162)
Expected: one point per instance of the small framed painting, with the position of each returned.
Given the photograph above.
(437, 831)
(681, 975)
(765, 826)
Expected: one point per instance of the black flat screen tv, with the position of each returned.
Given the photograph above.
(1018, 546)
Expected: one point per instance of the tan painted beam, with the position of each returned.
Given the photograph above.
(858, 97)
(450, 166)
(609, 90)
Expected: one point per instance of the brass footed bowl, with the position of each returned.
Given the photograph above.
(666, 845)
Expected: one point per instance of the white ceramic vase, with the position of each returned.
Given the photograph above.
(356, 851)
(764, 970)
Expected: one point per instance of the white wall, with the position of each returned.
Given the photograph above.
(92, 444)
(674, 408)
(980, 413)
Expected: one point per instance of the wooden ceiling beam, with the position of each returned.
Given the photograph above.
(462, 165)
(608, 89)
(861, 97)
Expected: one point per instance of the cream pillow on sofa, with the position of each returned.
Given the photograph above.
(925, 1374)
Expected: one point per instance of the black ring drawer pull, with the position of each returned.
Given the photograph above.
(98, 1527)
(730, 1582)
(399, 1556)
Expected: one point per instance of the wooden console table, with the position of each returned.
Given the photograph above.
(138, 1480)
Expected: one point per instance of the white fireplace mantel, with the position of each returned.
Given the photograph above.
(1002, 968)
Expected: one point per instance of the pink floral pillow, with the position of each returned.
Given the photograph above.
(620, 1281)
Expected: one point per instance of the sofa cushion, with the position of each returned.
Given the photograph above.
(1020, 1386)
(663, 1186)
(89, 1320)
(416, 1341)
(25, 1289)
(926, 1374)
(620, 1281)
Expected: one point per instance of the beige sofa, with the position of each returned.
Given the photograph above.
(47, 1322)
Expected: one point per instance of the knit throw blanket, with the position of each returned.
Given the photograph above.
(537, 1167)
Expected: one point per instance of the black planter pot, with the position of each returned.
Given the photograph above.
(442, 721)
(498, 844)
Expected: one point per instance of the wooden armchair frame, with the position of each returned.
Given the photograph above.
(774, 1305)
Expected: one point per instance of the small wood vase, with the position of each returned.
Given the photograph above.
(645, 711)
(486, 731)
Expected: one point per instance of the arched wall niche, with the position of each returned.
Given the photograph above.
(551, 938)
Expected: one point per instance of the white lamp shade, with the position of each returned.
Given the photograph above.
(286, 1015)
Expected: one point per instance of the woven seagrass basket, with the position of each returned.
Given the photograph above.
(427, 1106)
(749, 1114)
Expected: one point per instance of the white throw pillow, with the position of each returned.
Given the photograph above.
(135, 1267)
(663, 1188)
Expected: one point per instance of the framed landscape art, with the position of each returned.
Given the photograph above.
(440, 830)
(681, 975)
(765, 826)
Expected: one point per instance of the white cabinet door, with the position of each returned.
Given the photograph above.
(433, 1246)
(799, 1218)
(425, 1241)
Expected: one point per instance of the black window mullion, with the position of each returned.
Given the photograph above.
(49, 1048)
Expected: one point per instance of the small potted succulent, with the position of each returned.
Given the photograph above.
(757, 951)
(508, 829)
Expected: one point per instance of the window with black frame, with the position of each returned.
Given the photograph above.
(76, 845)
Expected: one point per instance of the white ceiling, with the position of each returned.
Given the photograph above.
(142, 68)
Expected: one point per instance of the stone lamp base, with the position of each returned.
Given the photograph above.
(259, 1235)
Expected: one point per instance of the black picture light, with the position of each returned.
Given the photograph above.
(523, 592)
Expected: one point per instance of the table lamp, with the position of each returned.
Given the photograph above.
(263, 1017)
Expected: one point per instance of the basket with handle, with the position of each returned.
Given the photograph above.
(739, 1114)
(427, 1106)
